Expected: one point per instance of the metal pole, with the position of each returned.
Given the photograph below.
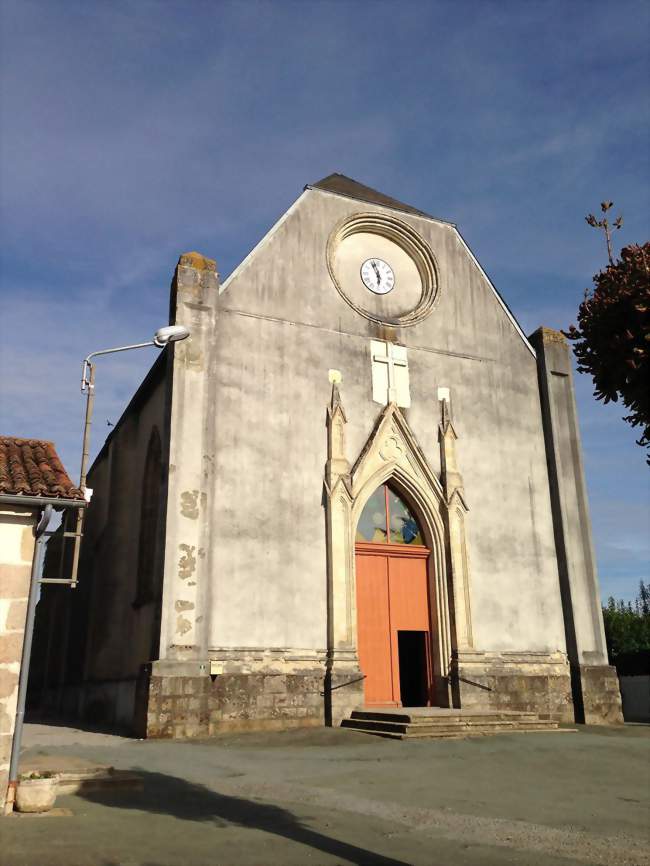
(90, 402)
(27, 643)
(160, 340)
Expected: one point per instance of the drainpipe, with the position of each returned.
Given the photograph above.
(37, 560)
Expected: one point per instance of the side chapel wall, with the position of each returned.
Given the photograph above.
(92, 642)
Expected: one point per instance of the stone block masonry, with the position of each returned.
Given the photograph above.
(515, 682)
(196, 706)
(601, 695)
(16, 552)
(177, 702)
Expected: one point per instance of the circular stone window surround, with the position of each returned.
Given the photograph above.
(413, 245)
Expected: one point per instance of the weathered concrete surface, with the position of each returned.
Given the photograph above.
(596, 693)
(185, 610)
(284, 308)
(334, 797)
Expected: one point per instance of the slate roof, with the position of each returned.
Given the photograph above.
(31, 467)
(342, 185)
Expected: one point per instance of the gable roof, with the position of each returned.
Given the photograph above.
(31, 467)
(340, 184)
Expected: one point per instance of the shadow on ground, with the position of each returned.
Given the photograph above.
(169, 795)
(73, 723)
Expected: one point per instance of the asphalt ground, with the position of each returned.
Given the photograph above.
(331, 796)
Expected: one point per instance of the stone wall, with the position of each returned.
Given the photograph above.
(192, 705)
(516, 682)
(16, 552)
(182, 700)
(601, 695)
(199, 705)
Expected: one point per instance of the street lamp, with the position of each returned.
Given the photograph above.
(163, 336)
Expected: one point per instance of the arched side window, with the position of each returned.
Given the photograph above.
(387, 519)
(149, 513)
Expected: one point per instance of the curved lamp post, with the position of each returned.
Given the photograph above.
(163, 336)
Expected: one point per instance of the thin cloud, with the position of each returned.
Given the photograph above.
(133, 132)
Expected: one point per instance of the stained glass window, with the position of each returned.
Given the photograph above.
(404, 527)
(372, 523)
(386, 518)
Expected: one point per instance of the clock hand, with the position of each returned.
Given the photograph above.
(374, 264)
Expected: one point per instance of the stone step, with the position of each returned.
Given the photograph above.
(442, 717)
(433, 722)
(447, 727)
(448, 718)
(461, 735)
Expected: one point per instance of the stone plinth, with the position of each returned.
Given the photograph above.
(191, 704)
(515, 682)
(601, 695)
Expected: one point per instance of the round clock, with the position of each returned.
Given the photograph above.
(358, 252)
(377, 276)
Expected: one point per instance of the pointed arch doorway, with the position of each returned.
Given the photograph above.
(393, 603)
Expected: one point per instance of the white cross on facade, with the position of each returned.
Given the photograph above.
(390, 374)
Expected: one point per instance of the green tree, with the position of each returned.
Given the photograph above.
(627, 626)
(612, 339)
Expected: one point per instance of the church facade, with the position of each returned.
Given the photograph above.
(358, 483)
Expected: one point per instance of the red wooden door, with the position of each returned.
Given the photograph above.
(392, 596)
(373, 616)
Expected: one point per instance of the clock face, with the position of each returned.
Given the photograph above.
(358, 253)
(377, 276)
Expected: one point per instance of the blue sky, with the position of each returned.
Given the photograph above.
(134, 131)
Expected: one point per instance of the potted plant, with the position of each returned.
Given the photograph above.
(36, 792)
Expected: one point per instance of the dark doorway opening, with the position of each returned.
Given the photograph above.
(412, 650)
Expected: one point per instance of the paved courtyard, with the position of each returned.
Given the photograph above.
(339, 797)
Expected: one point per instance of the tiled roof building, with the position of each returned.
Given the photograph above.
(31, 467)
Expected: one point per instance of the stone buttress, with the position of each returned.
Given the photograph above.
(595, 688)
